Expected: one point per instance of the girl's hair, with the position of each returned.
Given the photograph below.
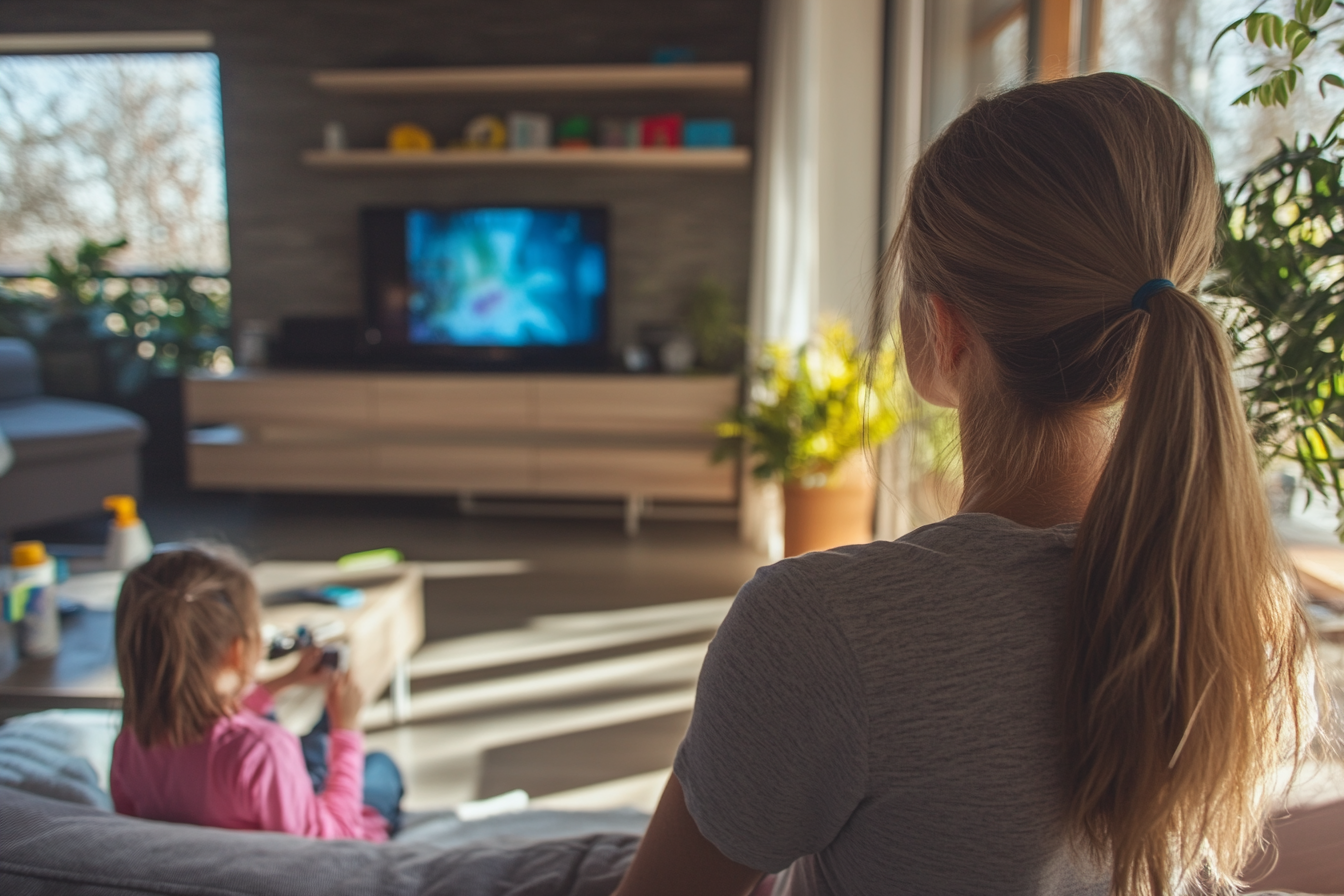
(1037, 215)
(177, 617)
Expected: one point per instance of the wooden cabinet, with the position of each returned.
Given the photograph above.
(555, 435)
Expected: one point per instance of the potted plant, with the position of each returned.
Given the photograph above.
(808, 413)
(1283, 249)
(106, 337)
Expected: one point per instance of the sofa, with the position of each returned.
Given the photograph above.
(67, 454)
(58, 836)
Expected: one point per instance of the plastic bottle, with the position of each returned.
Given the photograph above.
(128, 541)
(32, 581)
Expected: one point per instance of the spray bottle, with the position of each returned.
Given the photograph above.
(31, 600)
(128, 541)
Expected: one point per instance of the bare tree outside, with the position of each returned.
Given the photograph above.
(110, 146)
(1167, 42)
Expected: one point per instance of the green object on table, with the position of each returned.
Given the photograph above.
(370, 559)
(16, 602)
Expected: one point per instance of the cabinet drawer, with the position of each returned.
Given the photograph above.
(676, 473)
(452, 467)
(468, 403)
(298, 466)
(325, 399)
(634, 405)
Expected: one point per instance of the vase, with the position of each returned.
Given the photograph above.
(839, 512)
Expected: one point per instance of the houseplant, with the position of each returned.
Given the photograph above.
(104, 336)
(1283, 254)
(808, 413)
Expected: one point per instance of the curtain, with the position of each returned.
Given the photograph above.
(785, 284)
(817, 184)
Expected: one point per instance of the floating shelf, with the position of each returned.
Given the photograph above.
(733, 158)
(729, 76)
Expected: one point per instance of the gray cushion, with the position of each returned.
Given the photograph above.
(43, 430)
(35, 761)
(18, 370)
(54, 847)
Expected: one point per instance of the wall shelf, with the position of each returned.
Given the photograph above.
(733, 158)
(729, 76)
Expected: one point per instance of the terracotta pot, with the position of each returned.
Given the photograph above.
(818, 518)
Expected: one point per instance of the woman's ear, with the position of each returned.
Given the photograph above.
(951, 338)
(935, 351)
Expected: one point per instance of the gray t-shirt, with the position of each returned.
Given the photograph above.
(883, 718)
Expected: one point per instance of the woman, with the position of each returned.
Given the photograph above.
(1083, 681)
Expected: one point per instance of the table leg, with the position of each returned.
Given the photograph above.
(634, 509)
(401, 692)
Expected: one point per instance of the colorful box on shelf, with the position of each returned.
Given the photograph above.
(529, 130)
(707, 133)
(661, 130)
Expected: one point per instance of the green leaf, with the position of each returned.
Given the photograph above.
(1333, 80)
(1320, 8)
(1221, 34)
(1276, 26)
(1253, 22)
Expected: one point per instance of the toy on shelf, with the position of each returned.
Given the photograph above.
(485, 132)
(661, 131)
(529, 130)
(673, 55)
(575, 132)
(333, 136)
(407, 137)
(707, 133)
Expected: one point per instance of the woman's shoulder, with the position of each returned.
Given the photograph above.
(976, 538)
(928, 571)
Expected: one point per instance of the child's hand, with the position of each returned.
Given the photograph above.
(344, 701)
(308, 671)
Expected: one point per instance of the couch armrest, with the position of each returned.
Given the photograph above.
(19, 376)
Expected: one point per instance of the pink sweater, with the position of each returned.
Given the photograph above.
(247, 773)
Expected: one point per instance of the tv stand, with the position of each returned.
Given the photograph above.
(473, 435)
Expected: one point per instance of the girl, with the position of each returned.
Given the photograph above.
(1083, 681)
(196, 743)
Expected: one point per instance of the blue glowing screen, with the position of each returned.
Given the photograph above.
(506, 276)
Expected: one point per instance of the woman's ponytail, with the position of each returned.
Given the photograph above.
(1182, 632)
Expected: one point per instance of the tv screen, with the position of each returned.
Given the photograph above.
(495, 284)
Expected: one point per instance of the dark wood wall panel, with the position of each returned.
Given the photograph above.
(292, 230)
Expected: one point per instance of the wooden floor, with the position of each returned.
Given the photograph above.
(601, 638)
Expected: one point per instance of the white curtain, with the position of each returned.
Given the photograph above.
(785, 281)
(817, 176)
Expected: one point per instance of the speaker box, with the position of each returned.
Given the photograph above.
(318, 341)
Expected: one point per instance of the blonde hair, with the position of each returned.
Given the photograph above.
(177, 616)
(1037, 215)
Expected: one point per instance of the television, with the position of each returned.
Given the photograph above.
(486, 287)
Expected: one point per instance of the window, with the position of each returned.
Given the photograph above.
(110, 146)
(973, 47)
(1167, 42)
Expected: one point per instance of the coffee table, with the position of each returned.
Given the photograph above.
(382, 634)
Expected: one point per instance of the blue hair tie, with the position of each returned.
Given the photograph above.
(1140, 300)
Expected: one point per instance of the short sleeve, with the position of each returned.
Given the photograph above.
(775, 760)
